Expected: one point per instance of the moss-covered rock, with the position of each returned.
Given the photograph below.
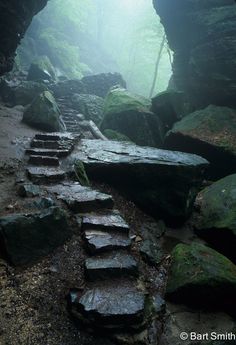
(217, 218)
(211, 133)
(41, 69)
(201, 276)
(129, 114)
(43, 113)
(114, 135)
(27, 91)
(91, 106)
(80, 173)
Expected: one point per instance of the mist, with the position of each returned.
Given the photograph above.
(89, 37)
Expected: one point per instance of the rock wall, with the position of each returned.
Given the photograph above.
(15, 17)
(202, 34)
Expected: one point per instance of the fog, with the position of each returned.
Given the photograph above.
(88, 37)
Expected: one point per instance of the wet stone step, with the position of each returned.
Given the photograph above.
(114, 264)
(117, 306)
(98, 241)
(48, 152)
(52, 144)
(44, 160)
(54, 136)
(80, 198)
(109, 221)
(43, 175)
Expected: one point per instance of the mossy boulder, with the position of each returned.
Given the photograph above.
(130, 114)
(91, 106)
(41, 69)
(26, 92)
(211, 133)
(200, 276)
(217, 215)
(43, 113)
(114, 135)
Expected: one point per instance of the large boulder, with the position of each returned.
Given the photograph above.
(202, 277)
(129, 114)
(43, 113)
(100, 84)
(41, 69)
(216, 221)
(202, 36)
(211, 133)
(164, 183)
(91, 106)
(25, 238)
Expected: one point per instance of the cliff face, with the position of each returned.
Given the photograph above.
(202, 34)
(15, 17)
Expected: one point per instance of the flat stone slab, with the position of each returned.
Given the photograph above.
(48, 152)
(109, 221)
(44, 160)
(162, 182)
(99, 241)
(45, 175)
(114, 264)
(117, 306)
(80, 198)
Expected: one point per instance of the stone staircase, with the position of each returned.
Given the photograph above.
(112, 299)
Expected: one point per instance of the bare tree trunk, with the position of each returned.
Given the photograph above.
(157, 65)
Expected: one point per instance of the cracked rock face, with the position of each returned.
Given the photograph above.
(15, 17)
(202, 36)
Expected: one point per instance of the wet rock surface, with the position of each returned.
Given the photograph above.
(165, 181)
(211, 133)
(80, 198)
(110, 306)
(98, 241)
(114, 264)
(26, 238)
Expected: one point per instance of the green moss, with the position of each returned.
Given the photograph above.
(81, 173)
(197, 266)
(215, 125)
(120, 100)
(114, 135)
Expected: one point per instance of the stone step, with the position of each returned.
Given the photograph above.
(43, 175)
(117, 306)
(52, 144)
(47, 152)
(98, 241)
(109, 221)
(54, 136)
(111, 265)
(44, 160)
(81, 199)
